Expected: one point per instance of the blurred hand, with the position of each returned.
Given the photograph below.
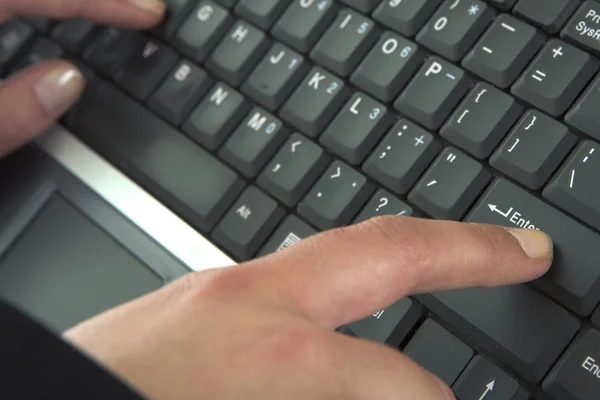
(265, 330)
(35, 98)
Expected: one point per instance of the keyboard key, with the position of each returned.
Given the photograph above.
(275, 77)
(482, 120)
(390, 326)
(336, 197)
(43, 25)
(248, 223)
(405, 16)
(202, 30)
(554, 15)
(293, 170)
(584, 114)
(315, 102)
(574, 187)
(157, 157)
(384, 203)
(574, 279)
(504, 50)
(291, 231)
(345, 44)
(556, 77)
(238, 53)
(455, 27)
(522, 328)
(577, 374)
(450, 186)
(41, 50)
(438, 351)
(180, 92)
(254, 142)
(357, 128)
(388, 67)
(72, 34)
(262, 13)
(145, 70)
(482, 379)
(364, 6)
(217, 115)
(14, 35)
(304, 22)
(534, 149)
(402, 157)
(228, 3)
(503, 4)
(596, 317)
(111, 48)
(433, 93)
(178, 10)
(583, 29)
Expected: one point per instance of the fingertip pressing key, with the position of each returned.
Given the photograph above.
(536, 244)
(157, 7)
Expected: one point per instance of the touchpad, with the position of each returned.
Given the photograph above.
(64, 269)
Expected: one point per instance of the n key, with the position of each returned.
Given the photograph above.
(555, 78)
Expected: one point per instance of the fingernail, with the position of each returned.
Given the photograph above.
(536, 244)
(59, 88)
(446, 391)
(154, 6)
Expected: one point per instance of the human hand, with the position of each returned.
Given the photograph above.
(33, 99)
(265, 330)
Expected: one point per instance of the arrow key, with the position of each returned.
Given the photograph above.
(483, 380)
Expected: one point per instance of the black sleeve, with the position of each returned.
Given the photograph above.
(36, 364)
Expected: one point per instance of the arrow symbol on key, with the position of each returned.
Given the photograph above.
(495, 209)
(488, 388)
(294, 145)
(337, 174)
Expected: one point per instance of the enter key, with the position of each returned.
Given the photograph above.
(574, 279)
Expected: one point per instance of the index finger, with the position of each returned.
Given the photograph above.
(344, 275)
(131, 13)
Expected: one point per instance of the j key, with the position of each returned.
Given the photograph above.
(438, 351)
(534, 149)
(128, 135)
(484, 380)
(254, 142)
(216, 116)
(384, 203)
(503, 4)
(43, 25)
(178, 10)
(336, 198)
(142, 73)
(248, 223)
(577, 375)
(315, 102)
(574, 278)
(433, 93)
(293, 170)
(238, 53)
(388, 67)
(390, 326)
(275, 77)
(180, 92)
(584, 114)
(345, 43)
(553, 16)
(405, 16)
(556, 77)
(545, 328)
(41, 50)
(291, 231)
(574, 188)
(14, 35)
(583, 29)
(262, 13)
(304, 22)
(455, 27)
(357, 128)
(402, 156)
(450, 186)
(202, 30)
(504, 50)
(482, 120)
(111, 49)
(73, 33)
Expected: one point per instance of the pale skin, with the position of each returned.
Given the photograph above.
(265, 329)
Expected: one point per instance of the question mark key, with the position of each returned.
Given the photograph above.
(384, 203)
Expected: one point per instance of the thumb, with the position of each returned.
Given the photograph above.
(33, 99)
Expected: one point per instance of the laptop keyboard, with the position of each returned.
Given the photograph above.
(263, 122)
